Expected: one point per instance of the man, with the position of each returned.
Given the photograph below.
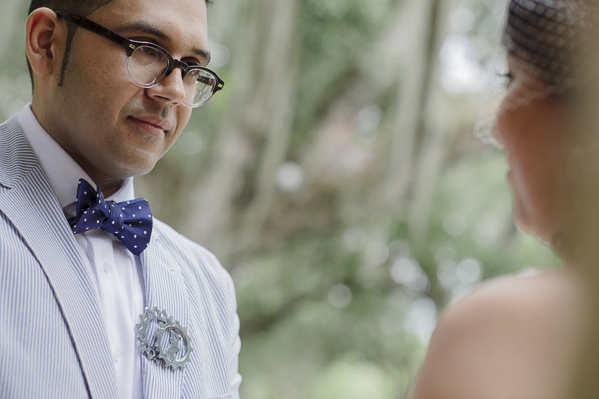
(97, 298)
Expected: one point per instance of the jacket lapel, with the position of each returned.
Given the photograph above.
(28, 201)
(166, 291)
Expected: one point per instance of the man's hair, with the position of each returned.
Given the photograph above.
(79, 7)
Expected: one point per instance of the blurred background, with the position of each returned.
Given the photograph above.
(338, 179)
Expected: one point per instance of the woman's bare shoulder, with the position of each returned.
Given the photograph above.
(515, 298)
(510, 337)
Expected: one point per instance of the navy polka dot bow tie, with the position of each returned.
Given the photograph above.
(129, 221)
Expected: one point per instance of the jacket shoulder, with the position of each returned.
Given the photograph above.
(16, 155)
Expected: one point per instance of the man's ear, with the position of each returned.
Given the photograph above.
(45, 37)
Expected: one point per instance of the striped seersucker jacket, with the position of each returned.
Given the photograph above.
(52, 338)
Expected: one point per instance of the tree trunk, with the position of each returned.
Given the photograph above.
(420, 25)
(253, 140)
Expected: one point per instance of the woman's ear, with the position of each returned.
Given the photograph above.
(45, 38)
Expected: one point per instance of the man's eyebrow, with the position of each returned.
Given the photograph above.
(202, 53)
(144, 27)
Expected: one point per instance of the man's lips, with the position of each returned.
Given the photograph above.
(153, 125)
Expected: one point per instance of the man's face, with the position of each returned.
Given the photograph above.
(111, 127)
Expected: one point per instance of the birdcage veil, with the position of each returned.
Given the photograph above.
(542, 37)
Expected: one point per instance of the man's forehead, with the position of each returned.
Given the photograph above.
(130, 5)
(182, 22)
(166, 15)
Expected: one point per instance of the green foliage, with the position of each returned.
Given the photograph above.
(365, 380)
(336, 39)
(325, 340)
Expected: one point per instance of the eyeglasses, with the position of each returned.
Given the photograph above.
(148, 64)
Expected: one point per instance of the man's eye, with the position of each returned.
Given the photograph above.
(148, 52)
(191, 62)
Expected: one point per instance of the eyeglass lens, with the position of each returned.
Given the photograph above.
(147, 66)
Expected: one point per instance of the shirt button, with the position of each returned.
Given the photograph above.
(116, 357)
(106, 267)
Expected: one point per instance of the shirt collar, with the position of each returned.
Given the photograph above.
(62, 171)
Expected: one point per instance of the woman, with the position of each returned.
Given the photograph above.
(529, 337)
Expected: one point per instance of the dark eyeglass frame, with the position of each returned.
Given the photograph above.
(131, 45)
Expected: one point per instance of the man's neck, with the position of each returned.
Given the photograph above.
(108, 186)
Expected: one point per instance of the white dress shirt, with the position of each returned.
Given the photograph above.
(118, 273)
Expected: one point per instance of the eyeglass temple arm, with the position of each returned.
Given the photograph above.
(99, 29)
(217, 83)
